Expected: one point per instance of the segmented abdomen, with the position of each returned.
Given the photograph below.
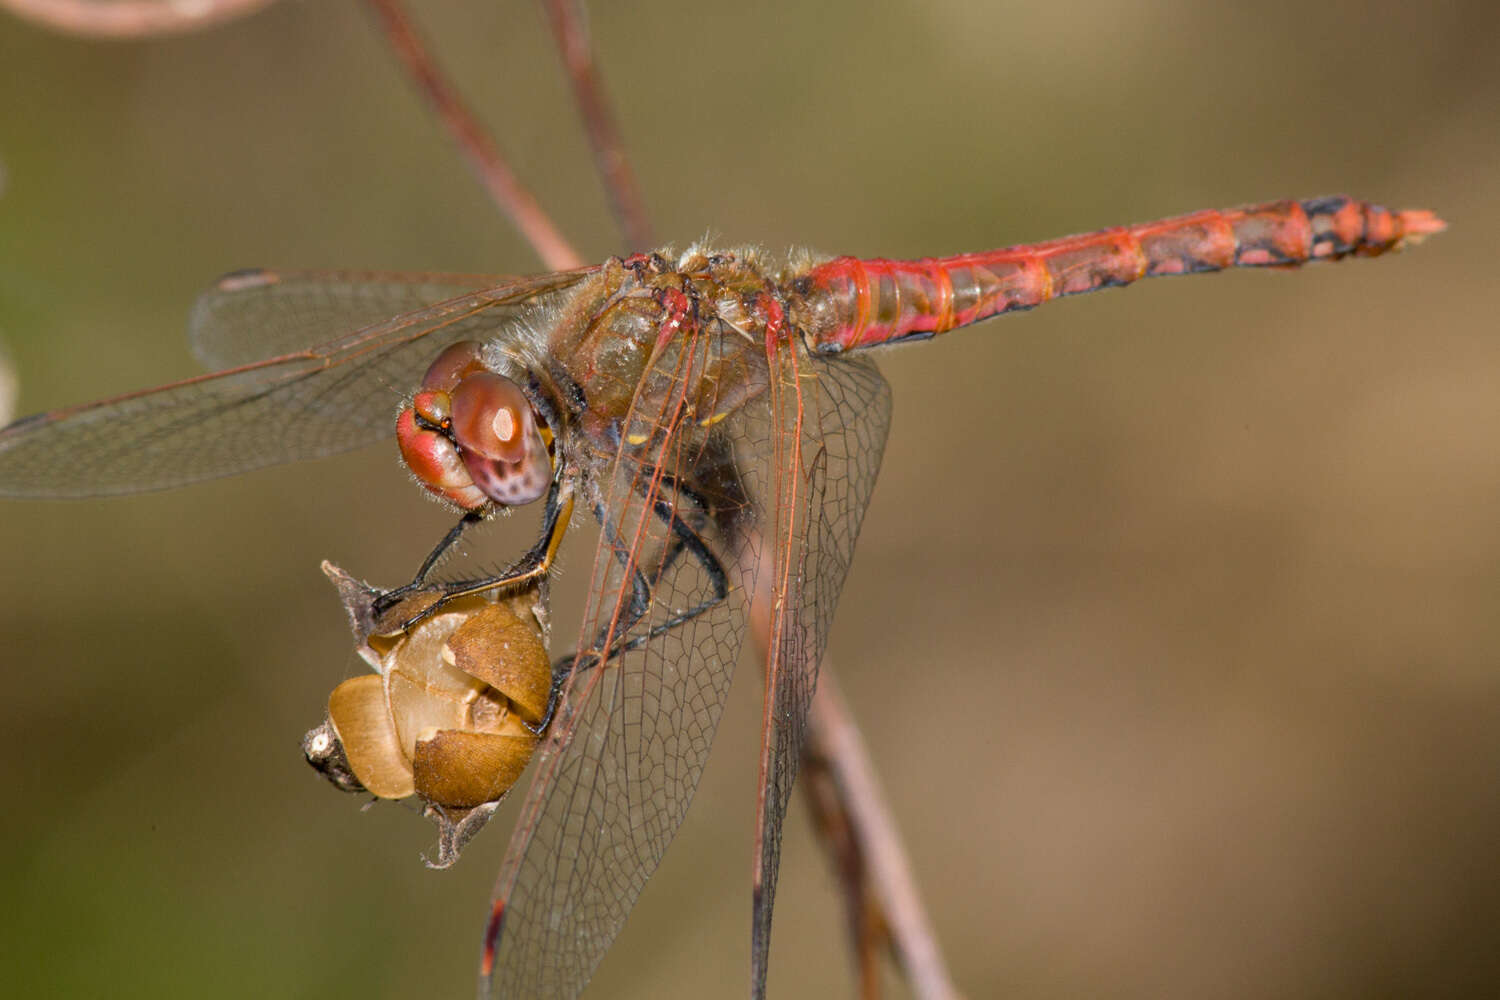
(849, 303)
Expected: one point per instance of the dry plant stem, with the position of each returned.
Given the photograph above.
(504, 188)
(881, 897)
(130, 18)
(835, 829)
(895, 889)
(610, 158)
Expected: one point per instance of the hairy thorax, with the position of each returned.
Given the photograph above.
(649, 344)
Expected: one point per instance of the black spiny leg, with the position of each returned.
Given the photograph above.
(470, 518)
(534, 565)
(685, 538)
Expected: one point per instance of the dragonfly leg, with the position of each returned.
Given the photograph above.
(529, 569)
(688, 539)
(471, 517)
(685, 538)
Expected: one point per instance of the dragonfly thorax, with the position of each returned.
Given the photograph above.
(654, 346)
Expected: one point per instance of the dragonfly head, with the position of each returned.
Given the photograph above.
(471, 437)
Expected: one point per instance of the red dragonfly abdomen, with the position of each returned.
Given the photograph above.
(848, 303)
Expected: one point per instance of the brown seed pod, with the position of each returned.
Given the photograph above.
(446, 714)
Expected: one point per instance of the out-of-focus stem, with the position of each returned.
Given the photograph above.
(599, 122)
(881, 896)
(889, 871)
(484, 157)
(834, 828)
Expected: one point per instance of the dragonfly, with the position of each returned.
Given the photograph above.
(717, 412)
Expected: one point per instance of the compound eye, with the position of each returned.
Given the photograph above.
(499, 439)
(491, 417)
(456, 361)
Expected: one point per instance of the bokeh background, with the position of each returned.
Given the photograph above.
(1173, 628)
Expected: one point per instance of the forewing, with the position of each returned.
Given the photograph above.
(624, 758)
(307, 403)
(829, 420)
(251, 315)
(624, 755)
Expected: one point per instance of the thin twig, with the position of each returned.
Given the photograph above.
(834, 827)
(599, 122)
(895, 888)
(484, 157)
(130, 18)
(889, 906)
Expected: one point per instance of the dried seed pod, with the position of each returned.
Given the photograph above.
(466, 769)
(361, 718)
(448, 714)
(498, 645)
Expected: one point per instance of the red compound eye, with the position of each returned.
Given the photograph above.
(491, 417)
(471, 437)
(453, 364)
(499, 440)
(432, 458)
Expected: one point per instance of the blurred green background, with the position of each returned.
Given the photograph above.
(1173, 627)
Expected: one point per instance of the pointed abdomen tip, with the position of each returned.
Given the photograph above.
(1419, 224)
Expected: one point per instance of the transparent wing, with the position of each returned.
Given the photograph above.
(306, 403)
(255, 314)
(625, 756)
(831, 427)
